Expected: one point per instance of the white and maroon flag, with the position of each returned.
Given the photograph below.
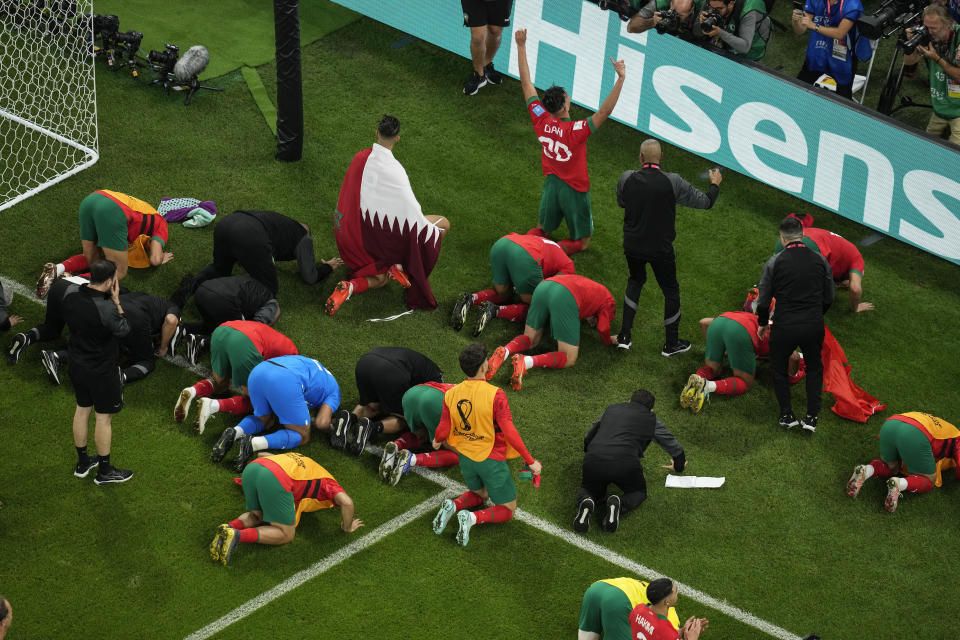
(379, 223)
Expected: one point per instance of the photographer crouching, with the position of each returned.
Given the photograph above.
(674, 17)
(739, 26)
(941, 48)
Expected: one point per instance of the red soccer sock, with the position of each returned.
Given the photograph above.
(518, 344)
(919, 484)
(440, 458)
(552, 360)
(250, 535)
(75, 264)
(571, 247)
(513, 312)
(497, 513)
(468, 500)
(237, 524)
(537, 231)
(705, 372)
(237, 405)
(409, 440)
(483, 296)
(731, 386)
(359, 285)
(880, 469)
(204, 389)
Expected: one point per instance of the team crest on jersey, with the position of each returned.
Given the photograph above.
(538, 110)
(578, 125)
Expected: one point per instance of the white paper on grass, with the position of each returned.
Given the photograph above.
(694, 482)
(391, 318)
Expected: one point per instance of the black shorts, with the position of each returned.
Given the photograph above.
(383, 381)
(480, 13)
(103, 392)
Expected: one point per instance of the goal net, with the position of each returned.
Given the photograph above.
(48, 109)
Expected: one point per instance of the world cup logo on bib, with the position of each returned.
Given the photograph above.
(465, 408)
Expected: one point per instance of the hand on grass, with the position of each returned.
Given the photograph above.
(353, 526)
(671, 467)
(167, 257)
(14, 320)
(333, 263)
(865, 306)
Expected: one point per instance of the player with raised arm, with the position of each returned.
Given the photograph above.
(566, 188)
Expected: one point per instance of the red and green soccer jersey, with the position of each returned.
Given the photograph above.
(749, 322)
(142, 219)
(647, 625)
(564, 145)
(842, 254)
(593, 299)
(548, 254)
(267, 340)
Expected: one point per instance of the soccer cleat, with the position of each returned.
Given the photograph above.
(205, 411)
(47, 276)
(581, 523)
(399, 275)
(893, 495)
(224, 542)
(460, 308)
(51, 364)
(624, 342)
(673, 349)
(686, 395)
(492, 75)
(750, 304)
(223, 445)
(488, 311)
(113, 476)
(178, 336)
(473, 84)
(800, 374)
(17, 345)
(341, 293)
(189, 343)
(197, 347)
(338, 428)
(465, 518)
(358, 434)
(85, 466)
(495, 362)
(809, 423)
(519, 369)
(182, 407)
(855, 483)
(611, 514)
(447, 509)
(699, 394)
(388, 460)
(400, 468)
(788, 420)
(246, 453)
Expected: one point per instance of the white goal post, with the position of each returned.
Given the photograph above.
(48, 108)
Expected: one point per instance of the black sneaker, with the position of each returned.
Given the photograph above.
(624, 341)
(492, 75)
(611, 514)
(488, 311)
(123, 378)
(189, 340)
(85, 466)
(581, 524)
(113, 476)
(338, 428)
(788, 420)
(460, 308)
(473, 85)
(673, 349)
(358, 434)
(809, 423)
(200, 347)
(224, 444)
(246, 453)
(178, 335)
(51, 364)
(17, 345)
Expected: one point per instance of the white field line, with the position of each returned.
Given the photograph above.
(538, 523)
(315, 570)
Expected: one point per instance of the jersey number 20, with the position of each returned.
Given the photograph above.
(554, 149)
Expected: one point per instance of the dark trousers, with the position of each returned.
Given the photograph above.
(626, 473)
(665, 271)
(241, 238)
(783, 340)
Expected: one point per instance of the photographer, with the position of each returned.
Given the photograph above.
(654, 12)
(943, 56)
(740, 26)
(830, 48)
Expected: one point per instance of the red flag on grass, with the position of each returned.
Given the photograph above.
(851, 402)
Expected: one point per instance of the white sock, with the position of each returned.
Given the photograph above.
(506, 350)
(240, 432)
(259, 443)
(413, 459)
(528, 362)
(60, 269)
(473, 517)
(711, 386)
(902, 483)
(214, 405)
(867, 471)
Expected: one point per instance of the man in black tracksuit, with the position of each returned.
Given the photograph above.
(801, 281)
(257, 239)
(95, 317)
(649, 198)
(614, 447)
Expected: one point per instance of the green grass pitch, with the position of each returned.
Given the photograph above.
(780, 540)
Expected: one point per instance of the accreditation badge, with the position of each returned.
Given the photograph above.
(839, 49)
(953, 88)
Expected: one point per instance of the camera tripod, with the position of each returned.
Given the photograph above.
(891, 89)
(169, 82)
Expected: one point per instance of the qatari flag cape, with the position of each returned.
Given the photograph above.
(379, 223)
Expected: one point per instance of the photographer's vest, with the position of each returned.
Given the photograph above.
(945, 91)
(472, 432)
(759, 45)
(299, 468)
(935, 429)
